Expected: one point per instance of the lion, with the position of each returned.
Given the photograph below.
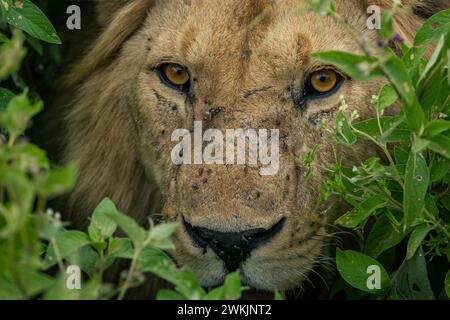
(160, 65)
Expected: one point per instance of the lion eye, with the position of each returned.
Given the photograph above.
(175, 76)
(323, 83)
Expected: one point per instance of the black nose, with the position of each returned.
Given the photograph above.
(232, 247)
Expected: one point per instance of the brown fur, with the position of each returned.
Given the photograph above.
(247, 58)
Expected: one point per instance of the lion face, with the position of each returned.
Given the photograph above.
(241, 65)
(229, 65)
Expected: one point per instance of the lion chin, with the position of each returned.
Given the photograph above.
(158, 66)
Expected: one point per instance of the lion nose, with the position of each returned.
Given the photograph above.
(232, 247)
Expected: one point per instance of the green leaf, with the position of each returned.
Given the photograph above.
(355, 268)
(433, 28)
(431, 205)
(11, 55)
(130, 227)
(344, 132)
(308, 161)
(387, 97)
(416, 238)
(419, 145)
(23, 14)
(395, 69)
(151, 258)
(29, 158)
(164, 244)
(355, 66)
(394, 129)
(120, 248)
(439, 168)
(412, 279)
(417, 178)
(16, 118)
(440, 144)
(279, 295)
(382, 237)
(163, 231)
(101, 226)
(34, 282)
(434, 59)
(230, 290)
(387, 28)
(86, 258)
(185, 281)
(433, 90)
(65, 244)
(363, 211)
(436, 127)
(414, 62)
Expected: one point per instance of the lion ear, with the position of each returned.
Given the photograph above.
(410, 18)
(124, 23)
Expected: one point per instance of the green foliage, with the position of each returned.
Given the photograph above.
(24, 15)
(401, 200)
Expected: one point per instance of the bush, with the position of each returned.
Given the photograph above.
(402, 200)
(399, 204)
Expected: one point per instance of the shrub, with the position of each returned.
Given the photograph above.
(400, 204)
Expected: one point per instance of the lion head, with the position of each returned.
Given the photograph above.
(162, 65)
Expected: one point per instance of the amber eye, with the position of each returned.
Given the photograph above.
(175, 76)
(323, 82)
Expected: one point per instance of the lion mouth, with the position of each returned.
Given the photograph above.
(232, 247)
